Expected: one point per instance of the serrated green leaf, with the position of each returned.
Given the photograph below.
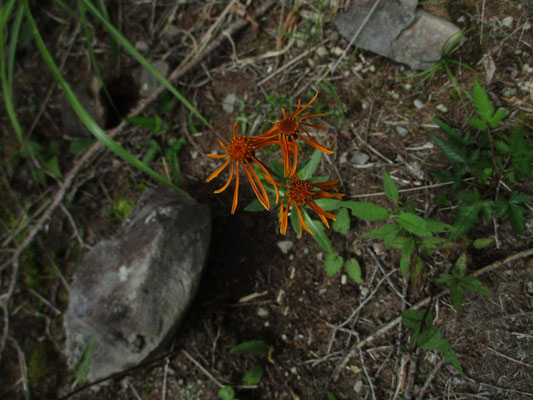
(353, 269)
(84, 365)
(502, 147)
(459, 268)
(80, 146)
(318, 232)
(516, 217)
(329, 204)
(445, 279)
(52, 166)
(226, 393)
(437, 226)
(481, 243)
(413, 223)
(253, 376)
(450, 132)
(452, 152)
(367, 211)
(342, 221)
(333, 263)
(151, 152)
(412, 319)
(474, 285)
(496, 118)
(331, 395)
(277, 169)
(386, 232)
(457, 294)
(481, 100)
(478, 123)
(519, 197)
(258, 347)
(408, 249)
(308, 171)
(256, 205)
(391, 191)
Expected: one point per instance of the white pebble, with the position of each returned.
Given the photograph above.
(418, 104)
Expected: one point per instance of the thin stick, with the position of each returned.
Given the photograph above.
(201, 368)
(510, 358)
(430, 378)
(422, 303)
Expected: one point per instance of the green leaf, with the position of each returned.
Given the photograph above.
(84, 365)
(256, 205)
(407, 251)
(308, 171)
(226, 393)
(478, 123)
(474, 285)
(437, 226)
(457, 294)
(413, 223)
(432, 339)
(481, 243)
(497, 117)
(481, 100)
(452, 152)
(386, 232)
(329, 204)
(331, 395)
(459, 269)
(151, 152)
(391, 191)
(342, 221)
(52, 166)
(333, 263)
(258, 347)
(516, 217)
(80, 146)
(253, 376)
(353, 269)
(445, 280)
(519, 197)
(412, 319)
(318, 232)
(367, 211)
(277, 169)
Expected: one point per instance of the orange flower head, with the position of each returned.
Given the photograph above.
(286, 130)
(240, 152)
(302, 193)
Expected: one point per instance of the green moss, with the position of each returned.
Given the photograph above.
(39, 364)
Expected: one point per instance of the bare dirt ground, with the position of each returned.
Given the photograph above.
(312, 322)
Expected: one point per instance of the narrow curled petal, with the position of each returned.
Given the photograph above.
(218, 171)
(253, 178)
(227, 182)
(236, 193)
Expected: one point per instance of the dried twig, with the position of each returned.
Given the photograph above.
(201, 368)
(422, 303)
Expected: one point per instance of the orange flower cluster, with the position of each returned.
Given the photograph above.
(240, 151)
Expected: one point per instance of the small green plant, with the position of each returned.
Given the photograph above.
(426, 336)
(457, 281)
(490, 156)
(445, 61)
(415, 236)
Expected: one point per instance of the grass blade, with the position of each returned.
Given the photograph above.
(87, 120)
(116, 35)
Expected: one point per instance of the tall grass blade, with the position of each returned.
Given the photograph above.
(82, 113)
(140, 59)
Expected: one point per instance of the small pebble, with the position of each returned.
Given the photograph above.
(321, 51)
(321, 291)
(442, 108)
(418, 104)
(400, 130)
(344, 279)
(228, 104)
(337, 51)
(507, 21)
(358, 386)
(359, 158)
(262, 312)
(343, 158)
(141, 46)
(285, 245)
(319, 256)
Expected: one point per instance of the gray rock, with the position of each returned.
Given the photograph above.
(396, 30)
(132, 290)
(400, 130)
(423, 41)
(384, 25)
(147, 81)
(359, 158)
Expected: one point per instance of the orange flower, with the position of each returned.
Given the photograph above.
(301, 193)
(285, 132)
(240, 151)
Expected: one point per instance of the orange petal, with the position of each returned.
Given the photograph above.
(227, 182)
(218, 171)
(236, 193)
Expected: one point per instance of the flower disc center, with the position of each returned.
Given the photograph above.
(301, 191)
(240, 148)
(288, 126)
